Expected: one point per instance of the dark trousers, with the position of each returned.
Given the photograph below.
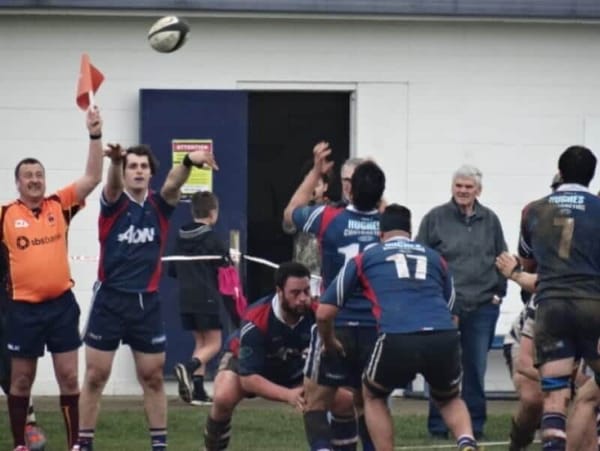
(477, 330)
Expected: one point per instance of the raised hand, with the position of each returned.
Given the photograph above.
(115, 152)
(94, 121)
(200, 158)
(321, 152)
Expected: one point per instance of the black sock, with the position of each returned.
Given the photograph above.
(193, 365)
(217, 434)
(318, 432)
(345, 433)
(198, 381)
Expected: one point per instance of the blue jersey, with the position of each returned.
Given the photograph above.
(132, 240)
(342, 233)
(562, 233)
(270, 347)
(407, 283)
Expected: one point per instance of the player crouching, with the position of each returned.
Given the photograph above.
(267, 358)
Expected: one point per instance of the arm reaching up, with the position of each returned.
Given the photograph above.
(179, 174)
(93, 169)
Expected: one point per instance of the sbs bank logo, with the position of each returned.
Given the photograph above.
(23, 242)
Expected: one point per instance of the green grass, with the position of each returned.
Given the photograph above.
(256, 426)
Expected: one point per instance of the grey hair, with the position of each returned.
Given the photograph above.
(352, 162)
(468, 171)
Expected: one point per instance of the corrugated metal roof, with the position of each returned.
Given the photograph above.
(516, 9)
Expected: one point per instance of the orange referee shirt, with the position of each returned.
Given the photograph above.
(36, 245)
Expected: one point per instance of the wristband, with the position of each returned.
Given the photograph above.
(187, 161)
(93, 137)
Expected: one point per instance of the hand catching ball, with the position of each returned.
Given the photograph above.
(168, 34)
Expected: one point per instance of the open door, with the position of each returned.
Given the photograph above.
(220, 116)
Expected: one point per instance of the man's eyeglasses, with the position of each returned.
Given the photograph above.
(346, 179)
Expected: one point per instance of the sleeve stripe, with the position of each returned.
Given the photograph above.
(452, 296)
(524, 248)
(340, 285)
(312, 218)
(247, 328)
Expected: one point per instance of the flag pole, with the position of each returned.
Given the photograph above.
(91, 98)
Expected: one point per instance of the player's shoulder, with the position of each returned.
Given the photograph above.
(258, 313)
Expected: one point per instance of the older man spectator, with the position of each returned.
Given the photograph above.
(469, 236)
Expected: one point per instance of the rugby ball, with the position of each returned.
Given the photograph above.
(168, 34)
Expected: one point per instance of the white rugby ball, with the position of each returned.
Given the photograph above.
(168, 34)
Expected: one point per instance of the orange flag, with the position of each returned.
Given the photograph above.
(90, 80)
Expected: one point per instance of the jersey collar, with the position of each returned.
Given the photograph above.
(278, 312)
(573, 187)
(397, 238)
(132, 199)
(356, 210)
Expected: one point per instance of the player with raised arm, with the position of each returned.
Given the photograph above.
(126, 308)
(343, 232)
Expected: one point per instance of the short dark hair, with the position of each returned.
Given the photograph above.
(28, 160)
(577, 164)
(395, 217)
(368, 184)
(203, 202)
(287, 270)
(142, 150)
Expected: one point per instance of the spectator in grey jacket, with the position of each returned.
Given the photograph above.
(469, 236)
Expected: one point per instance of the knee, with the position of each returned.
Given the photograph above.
(21, 383)
(68, 381)
(343, 403)
(96, 377)
(152, 380)
(223, 404)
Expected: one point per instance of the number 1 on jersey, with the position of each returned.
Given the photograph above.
(567, 226)
(401, 262)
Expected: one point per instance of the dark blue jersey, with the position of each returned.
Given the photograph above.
(270, 347)
(132, 239)
(407, 283)
(342, 232)
(562, 233)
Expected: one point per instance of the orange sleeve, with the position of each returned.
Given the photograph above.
(69, 203)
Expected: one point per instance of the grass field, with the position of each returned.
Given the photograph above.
(257, 425)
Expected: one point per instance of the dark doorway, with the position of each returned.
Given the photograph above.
(283, 128)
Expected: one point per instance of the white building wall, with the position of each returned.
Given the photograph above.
(428, 97)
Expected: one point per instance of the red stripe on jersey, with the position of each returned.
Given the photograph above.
(368, 291)
(105, 224)
(259, 315)
(164, 229)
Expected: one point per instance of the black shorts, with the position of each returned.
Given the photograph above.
(200, 322)
(230, 362)
(567, 328)
(397, 358)
(334, 370)
(52, 324)
(133, 318)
